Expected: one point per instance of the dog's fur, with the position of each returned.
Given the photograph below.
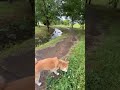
(51, 64)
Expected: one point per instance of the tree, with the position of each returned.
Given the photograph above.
(73, 9)
(32, 4)
(66, 22)
(81, 19)
(47, 10)
(114, 3)
(88, 1)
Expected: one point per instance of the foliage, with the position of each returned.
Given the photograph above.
(66, 22)
(114, 3)
(46, 11)
(73, 9)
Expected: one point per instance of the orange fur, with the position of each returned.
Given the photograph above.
(51, 64)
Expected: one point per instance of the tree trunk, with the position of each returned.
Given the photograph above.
(10, 1)
(48, 28)
(89, 2)
(32, 4)
(47, 24)
(116, 3)
(72, 23)
(47, 18)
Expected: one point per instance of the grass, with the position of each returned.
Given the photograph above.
(23, 47)
(69, 26)
(41, 32)
(61, 26)
(74, 79)
(76, 25)
(105, 74)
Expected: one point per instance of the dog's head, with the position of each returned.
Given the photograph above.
(63, 65)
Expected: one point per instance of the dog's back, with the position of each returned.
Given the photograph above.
(47, 64)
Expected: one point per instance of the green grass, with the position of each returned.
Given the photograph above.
(41, 32)
(76, 25)
(105, 74)
(23, 47)
(68, 26)
(61, 26)
(74, 79)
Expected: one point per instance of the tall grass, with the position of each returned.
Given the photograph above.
(41, 32)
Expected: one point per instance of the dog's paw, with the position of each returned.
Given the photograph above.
(57, 73)
(39, 84)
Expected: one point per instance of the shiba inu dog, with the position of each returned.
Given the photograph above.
(51, 64)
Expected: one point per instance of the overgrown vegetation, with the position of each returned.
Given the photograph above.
(42, 35)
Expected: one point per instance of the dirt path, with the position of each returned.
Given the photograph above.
(59, 50)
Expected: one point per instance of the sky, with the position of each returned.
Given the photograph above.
(63, 18)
